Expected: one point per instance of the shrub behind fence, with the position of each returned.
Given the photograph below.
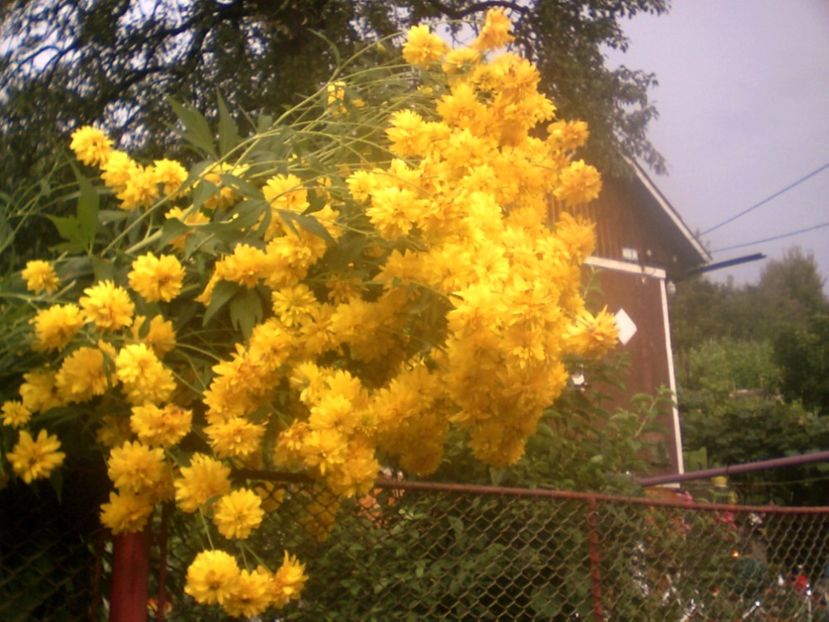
(419, 551)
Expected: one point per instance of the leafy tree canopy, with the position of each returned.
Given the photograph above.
(64, 63)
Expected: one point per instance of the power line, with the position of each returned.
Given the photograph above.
(767, 199)
(774, 237)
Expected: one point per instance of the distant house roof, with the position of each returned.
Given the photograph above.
(635, 223)
(703, 256)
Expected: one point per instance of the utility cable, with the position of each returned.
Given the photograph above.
(767, 199)
(774, 237)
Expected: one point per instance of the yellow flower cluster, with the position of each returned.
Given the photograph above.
(134, 185)
(384, 305)
(214, 578)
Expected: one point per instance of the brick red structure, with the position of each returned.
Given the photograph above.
(641, 245)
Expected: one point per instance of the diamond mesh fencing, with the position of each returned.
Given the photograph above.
(421, 551)
(51, 567)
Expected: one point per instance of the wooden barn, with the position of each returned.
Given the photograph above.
(642, 245)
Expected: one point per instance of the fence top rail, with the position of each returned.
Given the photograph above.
(544, 493)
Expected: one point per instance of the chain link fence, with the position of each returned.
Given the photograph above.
(52, 565)
(422, 551)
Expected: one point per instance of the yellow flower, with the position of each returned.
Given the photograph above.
(38, 393)
(496, 31)
(170, 174)
(35, 459)
(407, 134)
(235, 437)
(160, 336)
(117, 170)
(592, 335)
(108, 306)
(15, 414)
(91, 145)
(156, 278)
(126, 512)
(422, 48)
(40, 276)
(284, 192)
(460, 60)
(293, 305)
(567, 135)
(251, 594)
(160, 426)
(204, 479)
(212, 577)
(140, 188)
(82, 376)
(144, 377)
(136, 468)
(56, 326)
(238, 513)
(245, 266)
(579, 183)
(288, 581)
(336, 96)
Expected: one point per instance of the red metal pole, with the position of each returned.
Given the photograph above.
(595, 559)
(130, 577)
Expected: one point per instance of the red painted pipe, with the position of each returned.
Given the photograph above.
(130, 578)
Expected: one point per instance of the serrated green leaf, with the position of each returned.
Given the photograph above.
(69, 229)
(246, 311)
(196, 129)
(228, 132)
(222, 293)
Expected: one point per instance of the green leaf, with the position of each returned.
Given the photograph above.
(242, 185)
(69, 229)
(196, 129)
(307, 222)
(88, 207)
(203, 191)
(171, 229)
(228, 132)
(222, 293)
(246, 311)
(110, 216)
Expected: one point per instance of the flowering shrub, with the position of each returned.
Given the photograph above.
(327, 296)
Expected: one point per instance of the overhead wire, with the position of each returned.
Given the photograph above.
(767, 199)
(772, 238)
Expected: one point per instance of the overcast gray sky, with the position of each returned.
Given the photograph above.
(743, 98)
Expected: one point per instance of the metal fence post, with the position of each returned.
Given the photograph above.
(130, 577)
(595, 558)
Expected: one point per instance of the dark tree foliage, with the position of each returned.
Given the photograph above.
(115, 62)
(752, 366)
(803, 356)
